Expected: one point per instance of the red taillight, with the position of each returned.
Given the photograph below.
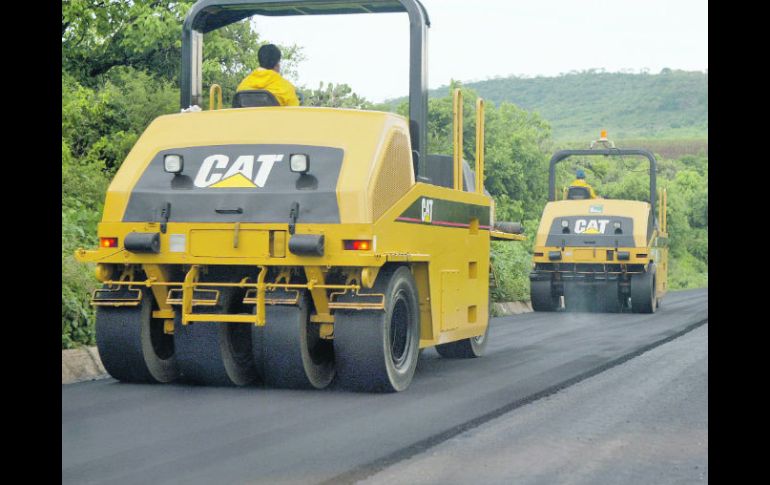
(108, 242)
(358, 244)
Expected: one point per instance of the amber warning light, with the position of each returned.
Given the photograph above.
(108, 242)
(358, 244)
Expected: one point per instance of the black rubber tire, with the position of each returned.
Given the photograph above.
(542, 296)
(295, 356)
(132, 345)
(377, 351)
(643, 291)
(467, 348)
(578, 298)
(608, 298)
(214, 353)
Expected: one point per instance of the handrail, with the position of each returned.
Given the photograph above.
(480, 145)
(218, 89)
(457, 131)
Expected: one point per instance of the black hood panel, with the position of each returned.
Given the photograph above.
(239, 183)
(595, 230)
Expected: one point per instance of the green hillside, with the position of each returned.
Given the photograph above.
(672, 104)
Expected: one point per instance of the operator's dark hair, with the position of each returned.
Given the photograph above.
(269, 55)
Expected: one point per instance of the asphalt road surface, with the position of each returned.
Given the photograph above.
(129, 433)
(644, 421)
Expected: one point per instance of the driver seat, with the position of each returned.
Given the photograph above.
(578, 193)
(254, 98)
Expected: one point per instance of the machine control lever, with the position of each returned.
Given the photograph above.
(293, 215)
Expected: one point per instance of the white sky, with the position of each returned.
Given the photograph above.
(475, 40)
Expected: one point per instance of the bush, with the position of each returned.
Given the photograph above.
(77, 316)
(83, 187)
(511, 262)
(687, 271)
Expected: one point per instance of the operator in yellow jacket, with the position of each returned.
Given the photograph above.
(268, 76)
(580, 181)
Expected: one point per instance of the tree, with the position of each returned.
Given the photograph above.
(120, 70)
(334, 96)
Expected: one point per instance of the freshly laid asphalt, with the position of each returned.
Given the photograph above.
(644, 421)
(130, 433)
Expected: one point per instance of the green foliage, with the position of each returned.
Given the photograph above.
(83, 187)
(672, 104)
(687, 271)
(517, 149)
(120, 68)
(76, 314)
(511, 263)
(98, 35)
(334, 96)
(146, 36)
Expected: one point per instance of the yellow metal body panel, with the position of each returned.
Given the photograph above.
(449, 249)
(644, 251)
(315, 276)
(504, 236)
(451, 312)
(636, 210)
(222, 243)
(460, 248)
(164, 311)
(361, 134)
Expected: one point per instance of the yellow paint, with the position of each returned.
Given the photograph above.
(236, 181)
(655, 249)
(278, 244)
(315, 276)
(361, 134)
(368, 276)
(479, 146)
(104, 272)
(457, 133)
(216, 90)
(218, 243)
(450, 264)
(158, 272)
(636, 210)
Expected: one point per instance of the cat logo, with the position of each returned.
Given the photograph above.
(427, 210)
(217, 172)
(591, 226)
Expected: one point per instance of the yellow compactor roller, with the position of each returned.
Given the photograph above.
(601, 255)
(292, 245)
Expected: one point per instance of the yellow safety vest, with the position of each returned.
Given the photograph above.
(271, 81)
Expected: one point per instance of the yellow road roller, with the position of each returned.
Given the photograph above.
(292, 245)
(600, 255)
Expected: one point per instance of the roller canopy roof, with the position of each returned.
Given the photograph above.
(564, 154)
(208, 15)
